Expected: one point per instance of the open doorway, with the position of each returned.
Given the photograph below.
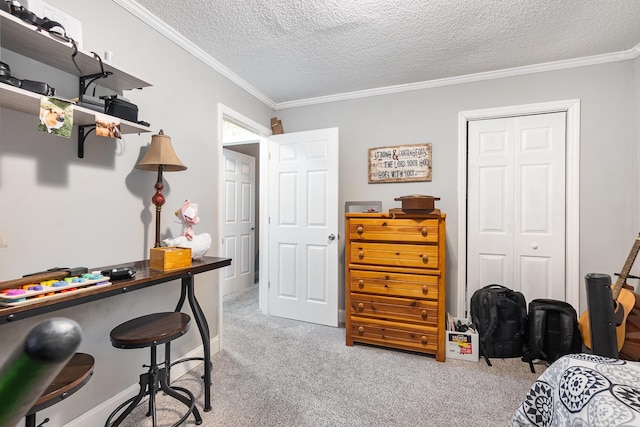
(245, 137)
(241, 151)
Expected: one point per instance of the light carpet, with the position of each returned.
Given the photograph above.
(279, 372)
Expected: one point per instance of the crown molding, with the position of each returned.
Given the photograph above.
(163, 28)
(469, 78)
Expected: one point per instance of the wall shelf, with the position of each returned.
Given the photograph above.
(27, 40)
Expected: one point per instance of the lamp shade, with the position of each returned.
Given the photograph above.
(160, 153)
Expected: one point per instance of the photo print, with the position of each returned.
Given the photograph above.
(107, 126)
(56, 116)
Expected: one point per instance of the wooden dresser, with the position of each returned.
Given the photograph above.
(395, 281)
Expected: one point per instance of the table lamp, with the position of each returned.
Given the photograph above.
(160, 157)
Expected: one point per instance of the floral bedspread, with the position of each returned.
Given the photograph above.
(583, 390)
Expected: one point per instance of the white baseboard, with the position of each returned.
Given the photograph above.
(99, 414)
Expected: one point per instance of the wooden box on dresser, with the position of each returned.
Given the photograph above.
(395, 281)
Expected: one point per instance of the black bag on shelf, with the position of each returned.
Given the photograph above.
(118, 107)
(11, 81)
(500, 316)
(30, 85)
(38, 87)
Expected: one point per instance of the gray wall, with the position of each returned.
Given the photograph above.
(608, 154)
(59, 210)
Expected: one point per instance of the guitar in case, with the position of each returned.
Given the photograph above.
(627, 313)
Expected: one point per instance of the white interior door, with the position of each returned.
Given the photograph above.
(239, 220)
(516, 205)
(303, 226)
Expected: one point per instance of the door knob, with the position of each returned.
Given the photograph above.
(534, 246)
(332, 237)
(253, 227)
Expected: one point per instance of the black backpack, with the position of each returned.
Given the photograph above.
(553, 331)
(500, 316)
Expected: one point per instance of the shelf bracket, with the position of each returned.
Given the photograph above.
(91, 78)
(82, 135)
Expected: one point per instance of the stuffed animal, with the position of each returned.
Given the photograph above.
(199, 243)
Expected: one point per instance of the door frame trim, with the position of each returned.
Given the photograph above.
(572, 198)
(264, 133)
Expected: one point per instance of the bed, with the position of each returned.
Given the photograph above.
(583, 390)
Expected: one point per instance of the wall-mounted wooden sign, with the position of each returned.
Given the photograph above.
(402, 163)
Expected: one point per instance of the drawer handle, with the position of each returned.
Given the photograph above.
(360, 306)
(424, 314)
(361, 254)
(425, 289)
(360, 229)
(424, 340)
(360, 330)
(361, 283)
(425, 258)
(384, 224)
(424, 231)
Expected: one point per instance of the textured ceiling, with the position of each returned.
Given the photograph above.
(297, 49)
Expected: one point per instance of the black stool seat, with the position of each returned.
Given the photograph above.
(75, 374)
(150, 331)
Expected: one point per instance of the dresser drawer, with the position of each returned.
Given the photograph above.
(399, 255)
(394, 284)
(396, 309)
(393, 334)
(396, 230)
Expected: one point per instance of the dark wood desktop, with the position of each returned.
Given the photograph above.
(143, 278)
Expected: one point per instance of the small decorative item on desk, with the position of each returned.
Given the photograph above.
(200, 243)
(169, 258)
(416, 203)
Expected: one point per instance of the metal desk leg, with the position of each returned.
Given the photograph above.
(183, 295)
(203, 327)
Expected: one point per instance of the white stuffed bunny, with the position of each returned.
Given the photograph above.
(200, 243)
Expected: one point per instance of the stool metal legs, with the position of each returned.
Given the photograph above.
(150, 383)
